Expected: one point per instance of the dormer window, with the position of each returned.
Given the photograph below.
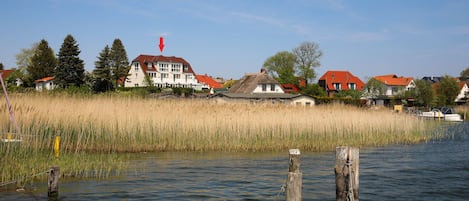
(337, 86)
(352, 86)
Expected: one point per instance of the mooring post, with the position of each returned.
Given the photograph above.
(53, 184)
(347, 165)
(294, 179)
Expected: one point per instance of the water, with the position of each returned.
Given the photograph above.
(432, 171)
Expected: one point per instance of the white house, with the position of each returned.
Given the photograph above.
(162, 71)
(46, 83)
(396, 85)
(463, 92)
(256, 83)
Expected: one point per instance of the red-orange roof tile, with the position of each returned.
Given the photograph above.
(342, 77)
(144, 59)
(208, 81)
(45, 79)
(394, 80)
(6, 73)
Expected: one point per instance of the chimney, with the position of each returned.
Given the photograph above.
(263, 70)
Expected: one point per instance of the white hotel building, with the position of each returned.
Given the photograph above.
(163, 71)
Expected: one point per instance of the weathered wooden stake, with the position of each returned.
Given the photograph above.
(347, 166)
(294, 179)
(53, 184)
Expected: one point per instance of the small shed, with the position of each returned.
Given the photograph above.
(46, 83)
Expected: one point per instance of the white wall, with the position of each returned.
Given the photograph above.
(277, 89)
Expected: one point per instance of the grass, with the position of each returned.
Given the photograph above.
(110, 124)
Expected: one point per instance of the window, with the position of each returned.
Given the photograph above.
(164, 75)
(149, 65)
(264, 87)
(352, 86)
(272, 87)
(336, 86)
(185, 68)
(163, 67)
(176, 68)
(176, 76)
(136, 66)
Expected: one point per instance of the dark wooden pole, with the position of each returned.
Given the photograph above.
(294, 179)
(53, 184)
(347, 165)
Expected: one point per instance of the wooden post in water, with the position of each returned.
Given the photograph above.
(53, 183)
(294, 179)
(347, 165)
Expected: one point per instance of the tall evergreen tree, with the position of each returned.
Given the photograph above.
(42, 62)
(119, 61)
(102, 72)
(70, 68)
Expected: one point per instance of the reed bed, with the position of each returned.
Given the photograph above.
(117, 124)
(112, 124)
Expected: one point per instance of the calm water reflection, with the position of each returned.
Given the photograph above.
(433, 171)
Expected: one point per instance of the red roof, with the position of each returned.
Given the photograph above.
(45, 79)
(393, 80)
(343, 78)
(6, 73)
(144, 59)
(289, 88)
(208, 80)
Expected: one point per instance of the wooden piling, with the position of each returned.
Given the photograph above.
(347, 165)
(294, 179)
(53, 184)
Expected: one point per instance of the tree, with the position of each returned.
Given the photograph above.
(119, 61)
(465, 74)
(448, 90)
(70, 68)
(102, 72)
(424, 93)
(23, 60)
(314, 90)
(374, 88)
(308, 57)
(353, 94)
(1, 66)
(43, 61)
(281, 66)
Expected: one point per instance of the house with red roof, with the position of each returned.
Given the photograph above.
(6, 74)
(46, 83)
(462, 97)
(335, 81)
(395, 85)
(163, 72)
(208, 82)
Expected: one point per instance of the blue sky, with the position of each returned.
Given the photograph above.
(229, 38)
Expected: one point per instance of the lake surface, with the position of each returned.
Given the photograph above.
(437, 170)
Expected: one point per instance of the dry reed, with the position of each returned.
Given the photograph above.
(118, 124)
(96, 130)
